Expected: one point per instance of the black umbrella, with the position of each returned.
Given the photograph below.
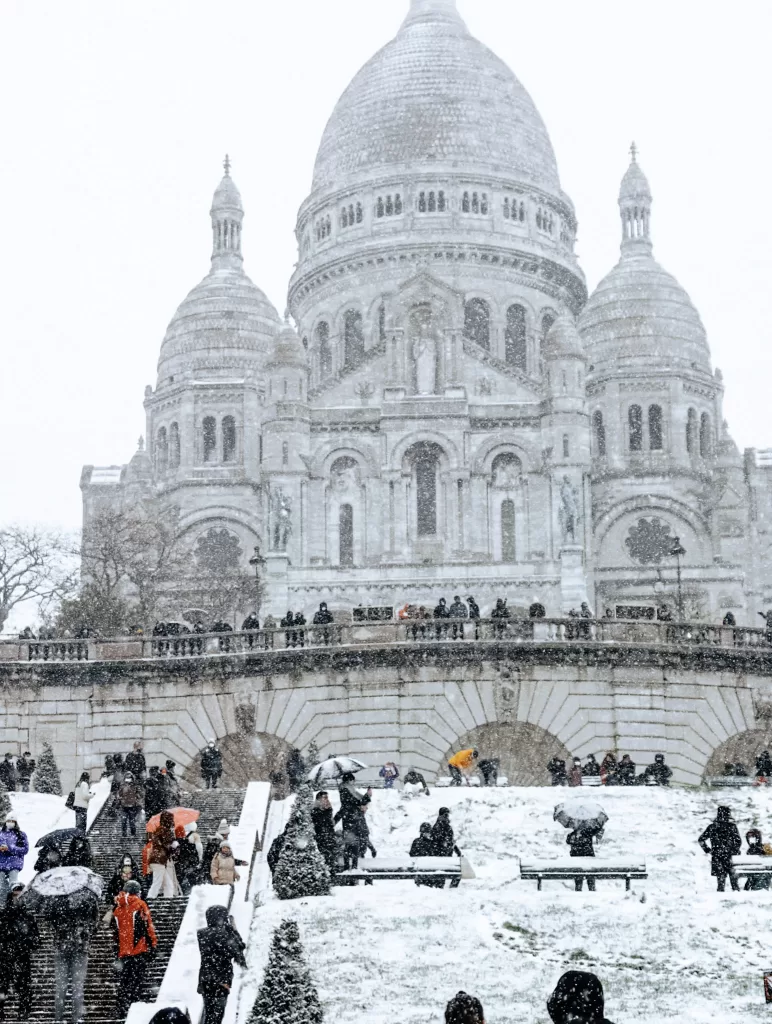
(62, 892)
(59, 836)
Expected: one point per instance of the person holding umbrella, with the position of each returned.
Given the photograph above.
(162, 846)
(725, 843)
(352, 800)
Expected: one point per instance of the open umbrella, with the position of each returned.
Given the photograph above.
(59, 836)
(63, 891)
(580, 813)
(182, 816)
(334, 768)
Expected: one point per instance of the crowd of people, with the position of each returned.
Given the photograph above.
(724, 838)
(762, 775)
(609, 772)
(17, 774)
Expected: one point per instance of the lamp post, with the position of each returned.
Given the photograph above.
(677, 551)
(258, 562)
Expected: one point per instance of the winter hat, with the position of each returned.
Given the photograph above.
(223, 826)
(425, 828)
(191, 827)
(579, 994)
(133, 888)
(464, 1009)
(225, 844)
(10, 819)
(128, 777)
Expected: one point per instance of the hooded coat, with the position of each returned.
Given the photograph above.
(12, 859)
(223, 868)
(725, 843)
(443, 839)
(219, 944)
(134, 931)
(578, 997)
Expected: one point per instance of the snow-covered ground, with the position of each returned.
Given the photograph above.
(671, 950)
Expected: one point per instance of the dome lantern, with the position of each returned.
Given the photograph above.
(433, 10)
(635, 207)
(227, 216)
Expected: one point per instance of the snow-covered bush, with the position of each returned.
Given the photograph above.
(5, 803)
(301, 870)
(287, 995)
(46, 778)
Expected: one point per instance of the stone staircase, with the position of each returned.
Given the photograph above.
(108, 846)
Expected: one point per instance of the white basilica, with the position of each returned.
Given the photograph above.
(446, 411)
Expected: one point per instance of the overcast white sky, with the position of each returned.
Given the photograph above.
(116, 118)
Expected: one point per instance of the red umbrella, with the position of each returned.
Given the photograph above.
(182, 816)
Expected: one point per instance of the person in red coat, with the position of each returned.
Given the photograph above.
(136, 942)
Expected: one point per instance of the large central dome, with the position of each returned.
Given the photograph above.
(435, 95)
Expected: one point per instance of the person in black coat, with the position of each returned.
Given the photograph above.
(250, 623)
(220, 945)
(171, 1015)
(78, 854)
(423, 846)
(135, 762)
(274, 852)
(625, 773)
(591, 767)
(25, 769)
(580, 841)
(578, 998)
(19, 938)
(725, 843)
(211, 764)
(557, 769)
(295, 767)
(444, 841)
(155, 798)
(764, 766)
(324, 828)
(659, 771)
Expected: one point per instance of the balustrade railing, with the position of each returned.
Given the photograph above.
(409, 632)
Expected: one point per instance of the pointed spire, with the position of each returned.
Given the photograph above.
(635, 207)
(433, 10)
(227, 215)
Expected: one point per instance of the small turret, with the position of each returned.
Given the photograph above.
(227, 217)
(635, 207)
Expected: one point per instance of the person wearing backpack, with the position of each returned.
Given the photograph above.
(136, 942)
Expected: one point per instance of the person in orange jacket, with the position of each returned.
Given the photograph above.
(461, 765)
(136, 942)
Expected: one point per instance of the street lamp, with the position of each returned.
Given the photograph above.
(677, 551)
(258, 562)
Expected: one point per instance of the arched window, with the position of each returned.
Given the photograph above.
(475, 202)
(322, 333)
(381, 323)
(507, 530)
(465, 203)
(422, 202)
(516, 346)
(635, 424)
(522, 212)
(426, 471)
(346, 535)
(353, 338)
(477, 322)
(379, 207)
(344, 218)
(161, 451)
(440, 202)
(691, 432)
(655, 428)
(210, 439)
(285, 453)
(397, 204)
(599, 433)
(706, 437)
(228, 439)
(432, 204)
(546, 323)
(506, 208)
(389, 206)
(174, 446)
(359, 213)
(566, 446)
(484, 204)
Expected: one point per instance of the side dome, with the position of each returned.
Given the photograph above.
(435, 95)
(226, 324)
(288, 349)
(639, 314)
(563, 341)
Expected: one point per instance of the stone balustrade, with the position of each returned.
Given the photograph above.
(387, 634)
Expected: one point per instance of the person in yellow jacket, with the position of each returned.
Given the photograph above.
(461, 766)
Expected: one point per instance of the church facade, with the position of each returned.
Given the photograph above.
(445, 410)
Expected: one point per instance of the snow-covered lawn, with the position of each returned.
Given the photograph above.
(671, 950)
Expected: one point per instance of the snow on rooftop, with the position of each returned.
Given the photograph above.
(395, 952)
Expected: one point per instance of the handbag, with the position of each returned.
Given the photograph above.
(70, 801)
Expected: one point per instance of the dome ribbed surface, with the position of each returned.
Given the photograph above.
(639, 310)
(635, 184)
(288, 349)
(225, 322)
(434, 94)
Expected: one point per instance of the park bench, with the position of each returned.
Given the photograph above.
(390, 868)
(752, 867)
(568, 868)
(731, 781)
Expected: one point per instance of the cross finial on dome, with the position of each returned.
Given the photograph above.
(633, 152)
(227, 166)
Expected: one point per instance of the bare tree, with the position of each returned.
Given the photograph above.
(35, 565)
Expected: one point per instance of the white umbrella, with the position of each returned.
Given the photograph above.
(65, 881)
(334, 768)
(580, 813)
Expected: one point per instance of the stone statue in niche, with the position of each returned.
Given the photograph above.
(569, 511)
(506, 472)
(344, 476)
(282, 521)
(425, 359)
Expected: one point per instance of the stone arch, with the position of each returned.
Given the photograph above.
(329, 453)
(522, 749)
(247, 756)
(501, 444)
(743, 747)
(401, 448)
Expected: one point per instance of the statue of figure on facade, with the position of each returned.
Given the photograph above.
(569, 511)
(425, 357)
(282, 521)
(345, 476)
